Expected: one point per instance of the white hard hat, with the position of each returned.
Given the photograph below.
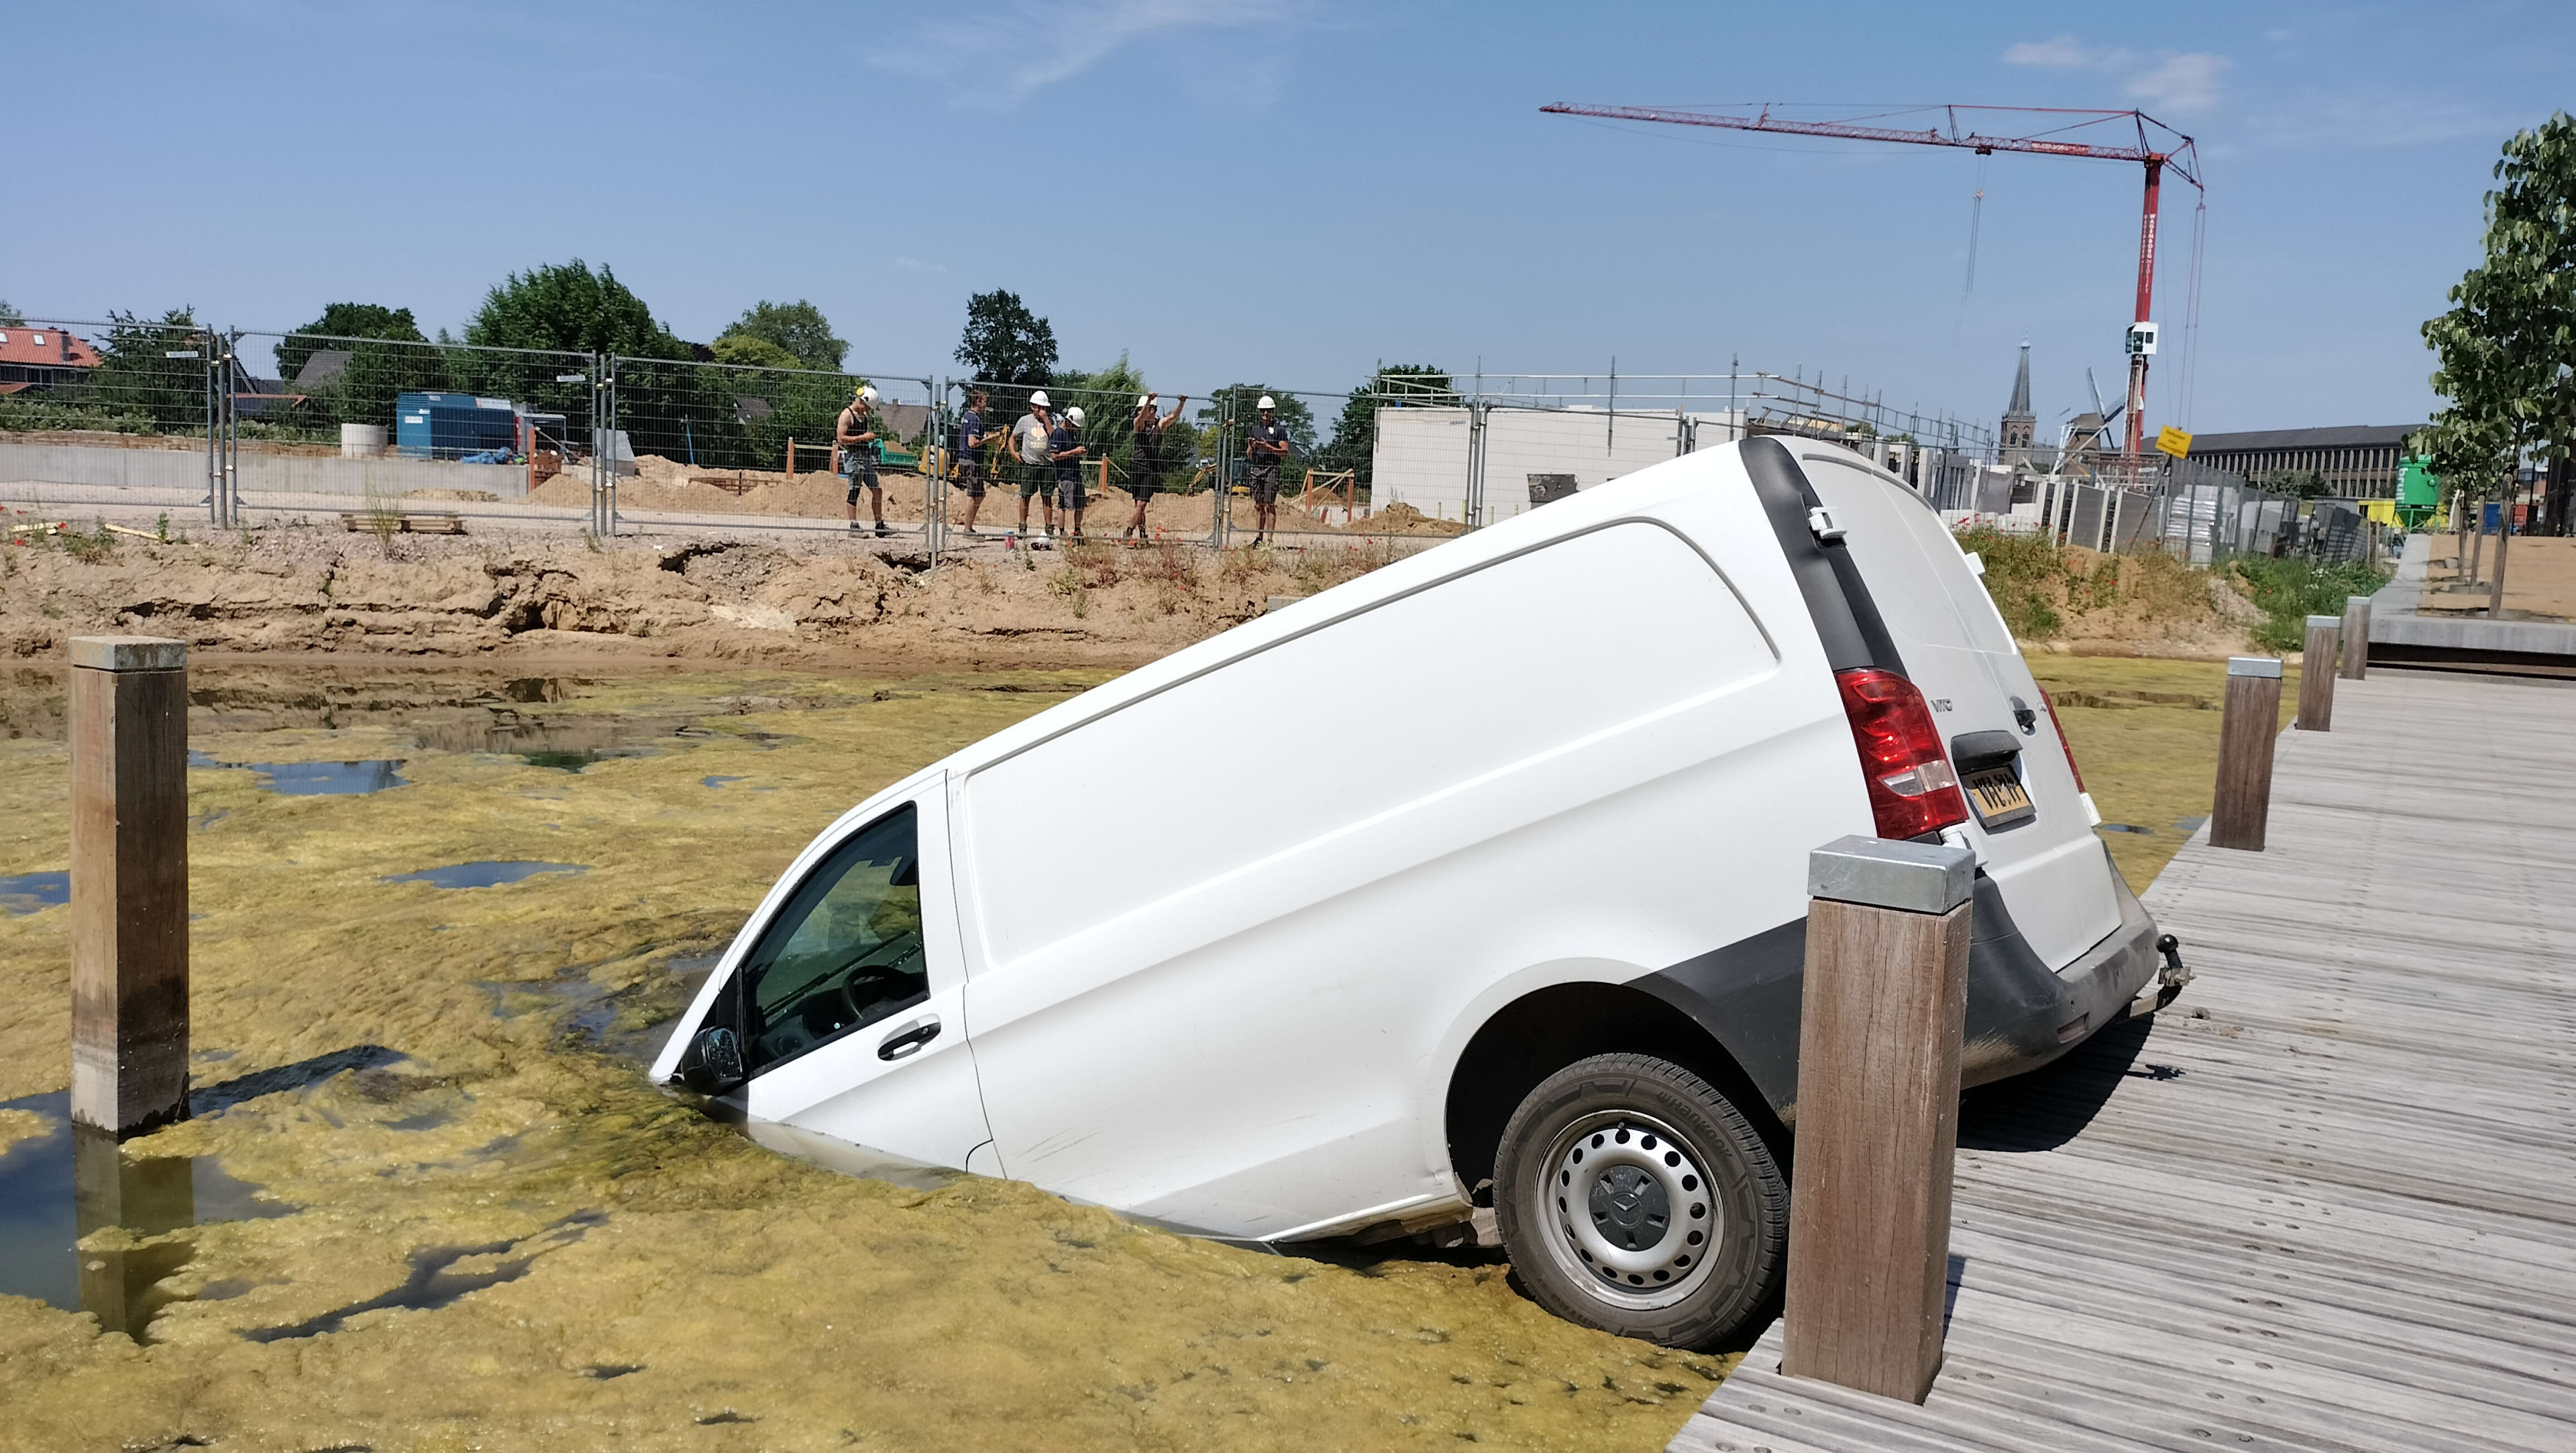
(1038, 399)
(1144, 401)
(1265, 403)
(867, 393)
(1073, 412)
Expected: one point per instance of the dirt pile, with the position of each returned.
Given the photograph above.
(2085, 602)
(306, 590)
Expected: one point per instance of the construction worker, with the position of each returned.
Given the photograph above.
(855, 451)
(970, 455)
(1033, 465)
(1145, 464)
(1064, 446)
(1266, 447)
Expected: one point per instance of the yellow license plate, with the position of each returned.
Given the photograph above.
(1999, 797)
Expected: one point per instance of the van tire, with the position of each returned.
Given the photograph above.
(1677, 1152)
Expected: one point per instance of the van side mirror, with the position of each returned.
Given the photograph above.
(714, 1063)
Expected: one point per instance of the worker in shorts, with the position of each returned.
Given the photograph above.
(1145, 463)
(1064, 447)
(969, 455)
(1033, 465)
(1266, 447)
(854, 440)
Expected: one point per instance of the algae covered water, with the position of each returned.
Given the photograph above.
(431, 1203)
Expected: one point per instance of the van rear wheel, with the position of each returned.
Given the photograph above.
(1634, 1197)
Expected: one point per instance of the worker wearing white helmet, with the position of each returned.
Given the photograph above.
(856, 445)
(1265, 447)
(1145, 458)
(1064, 448)
(1033, 465)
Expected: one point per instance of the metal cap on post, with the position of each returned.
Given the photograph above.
(1881, 1018)
(2317, 674)
(129, 888)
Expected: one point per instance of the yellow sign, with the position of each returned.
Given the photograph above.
(2174, 441)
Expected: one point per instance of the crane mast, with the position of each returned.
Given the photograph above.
(2182, 158)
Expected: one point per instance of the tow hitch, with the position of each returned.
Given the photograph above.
(2169, 979)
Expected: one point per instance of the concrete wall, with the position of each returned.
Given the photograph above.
(1421, 456)
(259, 473)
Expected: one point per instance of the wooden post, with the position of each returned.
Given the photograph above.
(791, 460)
(2504, 536)
(129, 741)
(2251, 720)
(2356, 638)
(1886, 994)
(2317, 674)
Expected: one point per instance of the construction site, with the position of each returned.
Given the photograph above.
(517, 680)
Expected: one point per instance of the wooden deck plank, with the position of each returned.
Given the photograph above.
(2336, 1211)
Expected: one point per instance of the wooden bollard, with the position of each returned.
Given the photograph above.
(129, 898)
(2356, 639)
(2252, 719)
(1886, 995)
(2317, 675)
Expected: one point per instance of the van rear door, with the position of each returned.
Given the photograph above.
(2055, 877)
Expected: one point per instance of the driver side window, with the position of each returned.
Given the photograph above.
(844, 953)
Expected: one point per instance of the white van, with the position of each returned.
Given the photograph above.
(1522, 931)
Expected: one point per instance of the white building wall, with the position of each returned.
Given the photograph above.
(1421, 456)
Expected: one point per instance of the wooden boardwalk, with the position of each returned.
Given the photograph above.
(2338, 1211)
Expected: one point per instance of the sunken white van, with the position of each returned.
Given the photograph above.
(1523, 931)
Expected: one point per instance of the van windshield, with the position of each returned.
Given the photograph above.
(845, 952)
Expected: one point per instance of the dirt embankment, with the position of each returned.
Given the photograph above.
(2069, 600)
(305, 590)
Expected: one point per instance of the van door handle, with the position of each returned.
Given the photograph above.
(908, 1038)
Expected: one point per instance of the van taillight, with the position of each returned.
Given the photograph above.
(2063, 744)
(1912, 788)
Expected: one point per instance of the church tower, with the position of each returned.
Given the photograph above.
(2019, 421)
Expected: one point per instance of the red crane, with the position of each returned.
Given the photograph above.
(2053, 140)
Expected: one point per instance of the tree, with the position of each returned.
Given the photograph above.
(743, 350)
(1396, 386)
(10, 317)
(1005, 343)
(2297, 483)
(344, 320)
(136, 375)
(567, 307)
(2508, 345)
(796, 330)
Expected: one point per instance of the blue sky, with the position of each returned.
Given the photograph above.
(1291, 190)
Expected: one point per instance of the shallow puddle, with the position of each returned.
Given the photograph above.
(29, 892)
(67, 1183)
(315, 779)
(485, 874)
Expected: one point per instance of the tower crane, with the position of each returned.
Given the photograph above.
(2157, 147)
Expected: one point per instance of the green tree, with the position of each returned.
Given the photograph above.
(2297, 483)
(1005, 343)
(2508, 344)
(567, 307)
(341, 321)
(10, 317)
(797, 331)
(743, 350)
(136, 375)
(1396, 386)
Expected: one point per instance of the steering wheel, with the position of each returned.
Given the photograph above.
(893, 954)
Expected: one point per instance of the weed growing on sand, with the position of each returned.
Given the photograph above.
(2019, 571)
(162, 528)
(91, 548)
(2036, 584)
(1067, 582)
(381, 520)
(1322, 569)
(1239, 567)
(2289, 591)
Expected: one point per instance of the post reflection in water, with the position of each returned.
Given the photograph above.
(120, 1282)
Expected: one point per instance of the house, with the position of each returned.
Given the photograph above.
(41, 357)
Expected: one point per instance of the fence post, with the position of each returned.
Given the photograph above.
(2316, 679)
(1886, 992)
(2356, 638)
(2251, 719)
(129, 890)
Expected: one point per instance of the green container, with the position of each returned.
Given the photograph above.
(2419, 494)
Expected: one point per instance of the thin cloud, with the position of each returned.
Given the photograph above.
(1007, 55)
(2182, 83)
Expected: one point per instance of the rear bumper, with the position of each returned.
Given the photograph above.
(2021, 1013)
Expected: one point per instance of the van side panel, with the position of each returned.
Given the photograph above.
(1226, 1005)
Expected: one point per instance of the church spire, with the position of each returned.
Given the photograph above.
(2019, 423)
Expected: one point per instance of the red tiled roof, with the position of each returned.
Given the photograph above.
(45, 347)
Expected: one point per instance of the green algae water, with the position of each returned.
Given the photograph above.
(433, 1205)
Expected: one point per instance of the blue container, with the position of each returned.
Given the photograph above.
(450, 426)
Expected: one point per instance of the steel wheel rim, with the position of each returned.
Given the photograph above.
(1627, 1209)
